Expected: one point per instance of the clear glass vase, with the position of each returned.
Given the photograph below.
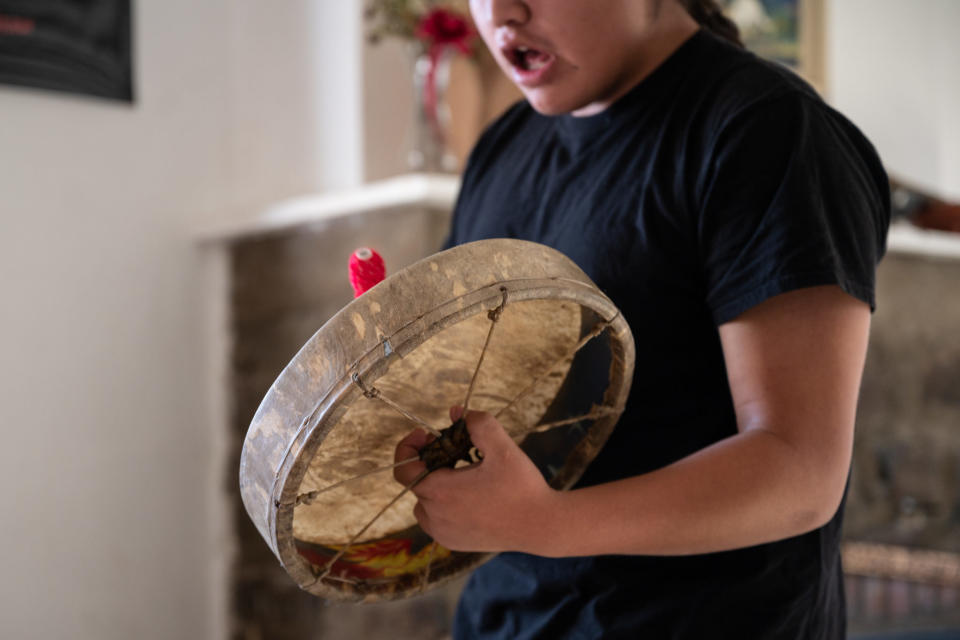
(428, 148)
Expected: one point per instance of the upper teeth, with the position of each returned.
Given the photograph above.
(522, 49)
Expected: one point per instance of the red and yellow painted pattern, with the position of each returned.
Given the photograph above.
(385, 558)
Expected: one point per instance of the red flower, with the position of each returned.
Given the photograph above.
(441, 27)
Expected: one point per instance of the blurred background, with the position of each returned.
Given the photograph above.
(181, 184)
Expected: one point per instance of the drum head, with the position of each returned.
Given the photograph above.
(512, 327)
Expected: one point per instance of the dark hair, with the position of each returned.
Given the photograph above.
(710, 16)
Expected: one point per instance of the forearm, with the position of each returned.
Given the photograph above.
(752, 488)
(794, 364)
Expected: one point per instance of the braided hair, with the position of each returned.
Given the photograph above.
(710, 16)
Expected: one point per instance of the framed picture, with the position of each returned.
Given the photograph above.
(77, 46)
(788, 31)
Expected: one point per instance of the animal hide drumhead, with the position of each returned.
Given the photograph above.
(514, 326)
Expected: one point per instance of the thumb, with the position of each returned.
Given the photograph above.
(487, 434)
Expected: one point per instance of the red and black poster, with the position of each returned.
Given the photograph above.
(78, 46)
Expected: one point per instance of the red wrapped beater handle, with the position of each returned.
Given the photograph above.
(366, 270)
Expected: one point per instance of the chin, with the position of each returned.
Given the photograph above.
(547, 110)
(551, 105)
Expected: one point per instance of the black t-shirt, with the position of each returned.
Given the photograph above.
(717, 182)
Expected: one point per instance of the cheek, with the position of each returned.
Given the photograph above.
(480, 14)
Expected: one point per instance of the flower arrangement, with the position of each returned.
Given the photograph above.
(432, 23)
(437, 29)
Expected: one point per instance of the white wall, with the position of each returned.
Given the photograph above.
(894, 69)
(387, 108)
(112, 513)
(339, 92)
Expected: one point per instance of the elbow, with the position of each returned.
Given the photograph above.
(816, 477)
(809, 519)
(819, 508)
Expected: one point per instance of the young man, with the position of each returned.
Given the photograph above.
(736, 221)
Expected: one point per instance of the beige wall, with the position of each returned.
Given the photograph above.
(110, 525)
(893, 68)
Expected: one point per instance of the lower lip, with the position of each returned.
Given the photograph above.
(533, 77)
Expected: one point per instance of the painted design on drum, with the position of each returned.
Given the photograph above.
(408, 552)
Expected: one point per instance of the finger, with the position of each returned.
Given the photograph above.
(411, 445)
(436, 485)
(405, 474)
(408, 448)
(455, 412)
(420, 513)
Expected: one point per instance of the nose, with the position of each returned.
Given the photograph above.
(500, 13)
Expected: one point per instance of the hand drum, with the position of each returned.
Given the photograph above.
(505, 326)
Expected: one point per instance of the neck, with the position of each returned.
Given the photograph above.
(671, 26)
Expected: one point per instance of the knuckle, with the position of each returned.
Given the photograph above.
(481, 424)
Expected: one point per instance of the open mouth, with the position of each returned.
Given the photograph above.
(527, 59)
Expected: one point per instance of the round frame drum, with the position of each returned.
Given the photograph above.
(506, 326)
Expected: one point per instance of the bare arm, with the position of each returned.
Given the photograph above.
(794, 363)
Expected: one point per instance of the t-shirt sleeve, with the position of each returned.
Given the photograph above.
(794, 196)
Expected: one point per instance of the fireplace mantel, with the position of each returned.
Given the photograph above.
(439, 191)
(414, 190)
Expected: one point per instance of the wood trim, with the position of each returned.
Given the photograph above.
(927, 566)
(812, 37)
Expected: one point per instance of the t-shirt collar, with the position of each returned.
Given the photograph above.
(578, 131)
